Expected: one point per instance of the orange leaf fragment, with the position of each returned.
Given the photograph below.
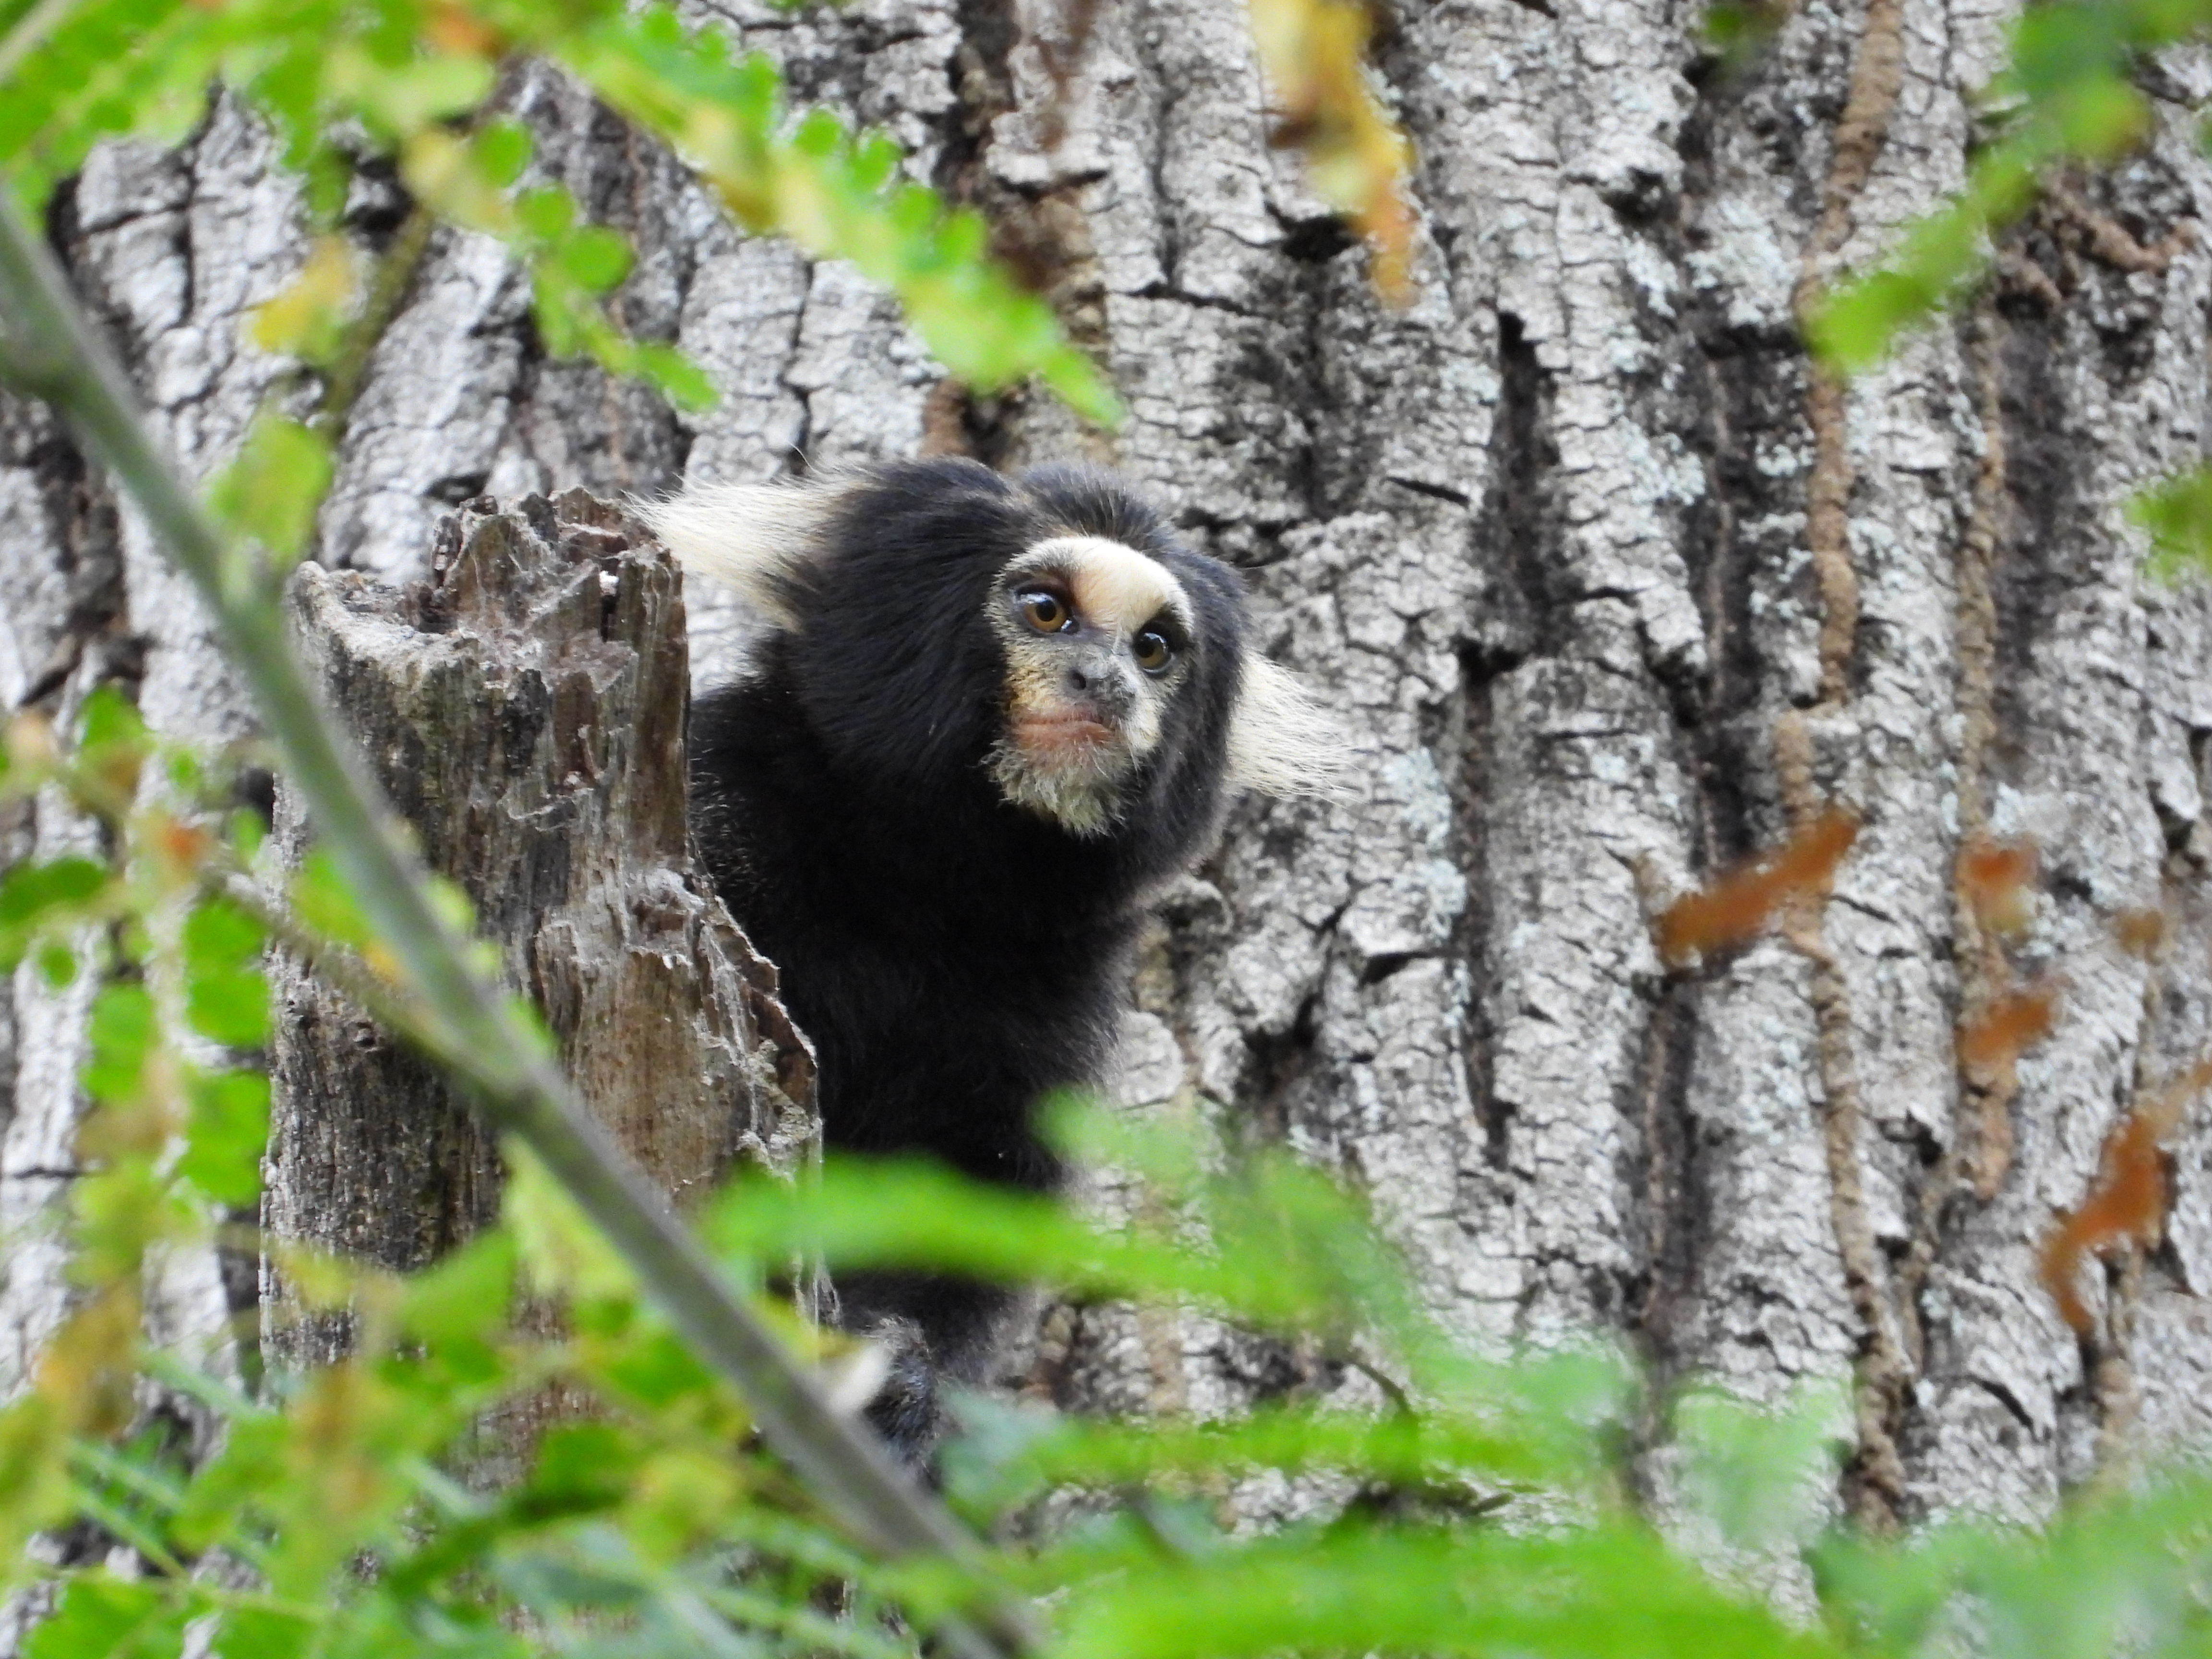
(1315, 56)
(2140, 932)
(1996, 876)
(2128, 1203)
(452, 27)
(183, 845)
(1736, 906)
(2009, 1024)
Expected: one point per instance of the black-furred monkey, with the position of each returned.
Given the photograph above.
(990, 717)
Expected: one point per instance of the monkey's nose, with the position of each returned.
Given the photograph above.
(1098, 685)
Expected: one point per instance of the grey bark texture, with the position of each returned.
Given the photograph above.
(522, 707)
(1609, 589)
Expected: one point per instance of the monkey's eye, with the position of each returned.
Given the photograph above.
(1152, 651)
(1044, 610)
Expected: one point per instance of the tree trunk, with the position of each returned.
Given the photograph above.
(523, 709)
(1610, 589)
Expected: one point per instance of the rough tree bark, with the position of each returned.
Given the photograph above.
(523, 708)
(1609, 587)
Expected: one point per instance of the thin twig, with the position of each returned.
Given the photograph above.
(464, 1017)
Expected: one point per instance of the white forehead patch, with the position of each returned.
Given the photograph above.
(1114, 586)
(747, 536)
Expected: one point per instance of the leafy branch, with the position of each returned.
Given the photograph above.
(464, 1021)
(2065, 96)
(417, 80)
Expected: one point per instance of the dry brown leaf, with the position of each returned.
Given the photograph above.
(2128, 1204)
(1997, 877)
(1314, 53)
(453, 27)
(2140, 932)
(1740, 904)
(182, 846)
(1995, 1037)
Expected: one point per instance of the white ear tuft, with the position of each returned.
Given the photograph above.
(751, 537)
(1280, 741)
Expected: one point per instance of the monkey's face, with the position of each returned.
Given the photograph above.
(1097, 638)
(947, 635)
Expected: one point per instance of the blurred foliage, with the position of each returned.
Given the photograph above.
(1314, 53)
(483, 1475)
(2067, 95)
(2177, 514)
(343, 81)
(416, 84)
(1737, 32)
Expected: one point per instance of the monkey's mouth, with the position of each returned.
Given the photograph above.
(1063, 762)
(1067, 738)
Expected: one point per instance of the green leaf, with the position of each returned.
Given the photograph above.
(57, 965)
(503, 149)
(1738, 32)
(229, 1006)
(112, 745)
(271, 492)
(104, 1618)
(580, 1467)
(1602, 1590)
(595, 258)
(401, 99)
(248, 830)
(226, 1136)
(307, 319)
(657, 1369)
(322, 899)
(682, 381)
(28, 891)
(122, 1032)
(2177, 514)
(465, 1298)
(252, 1467)
(226, 997)
(109, 720)
(263, 1633)
(546, 212)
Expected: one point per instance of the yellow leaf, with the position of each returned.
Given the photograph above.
(1314, 53)
(86, 1369)
(307, 319)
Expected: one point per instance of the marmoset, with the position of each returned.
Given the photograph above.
(989, 718)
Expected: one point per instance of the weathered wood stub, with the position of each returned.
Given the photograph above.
(523, 705)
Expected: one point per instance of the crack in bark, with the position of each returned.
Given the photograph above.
(1982, 1143)
(1877, 72)
(1874, 1482)
(1985, 972)
(1674, 1195)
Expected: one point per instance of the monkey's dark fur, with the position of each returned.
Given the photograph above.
(954, 958)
